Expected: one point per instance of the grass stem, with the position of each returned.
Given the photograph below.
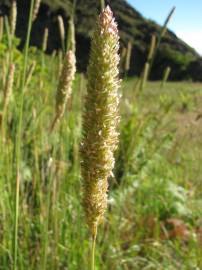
(93, 250)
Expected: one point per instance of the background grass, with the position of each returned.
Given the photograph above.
(157, 178)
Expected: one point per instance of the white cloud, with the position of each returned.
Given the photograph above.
(194, 39)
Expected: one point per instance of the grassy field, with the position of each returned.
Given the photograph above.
(154, 212)
(154, 216)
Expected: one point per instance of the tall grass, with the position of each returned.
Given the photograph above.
(19, 139)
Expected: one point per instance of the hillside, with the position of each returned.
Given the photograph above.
(183, 60)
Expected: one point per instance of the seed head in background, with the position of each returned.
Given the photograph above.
(100, 119)
(8, 87)
(13, 17)
(65, 86)
(36, 9)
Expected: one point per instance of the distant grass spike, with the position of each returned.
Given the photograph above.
(145, 76)
(30, 72)
(128, 57)
(62, 31)
(13, 17)
(152, 48)
(165, 76)
(8, 87)
(45, 40)
(65, 86)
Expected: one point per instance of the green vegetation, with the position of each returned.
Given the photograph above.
(154, 215)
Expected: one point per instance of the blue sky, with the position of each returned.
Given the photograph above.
(186, 22)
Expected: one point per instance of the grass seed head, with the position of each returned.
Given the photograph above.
(152, 48)
(100, 119)
(45, 40)
(128, 56)
(65, 85)
(9, 86)
(13, 17)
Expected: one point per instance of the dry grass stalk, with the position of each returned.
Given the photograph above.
(13, 17)
(36, 9)
(100, 119)
(65, 86)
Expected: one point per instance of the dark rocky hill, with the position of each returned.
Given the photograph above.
(133, 27)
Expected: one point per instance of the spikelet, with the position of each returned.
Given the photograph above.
(45, 40)
(13, 17)
(100, 119)
(62, 30)
(8, 87)
(128, 56)
(71, 43)
(36, 9)
(1, 27)
(65, 86)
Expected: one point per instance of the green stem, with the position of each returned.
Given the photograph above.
(93, 250)
(102, 4)
(18, 141)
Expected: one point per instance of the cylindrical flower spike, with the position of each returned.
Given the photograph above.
(65, 86)
(13, 17)
(36, 9)
(100, 119)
